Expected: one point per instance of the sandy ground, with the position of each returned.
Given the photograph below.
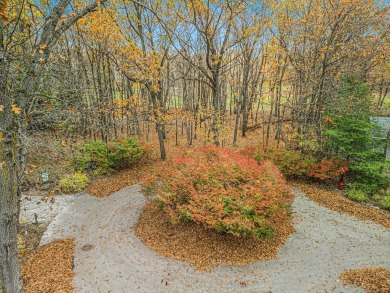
(45, 211)
(109, 258)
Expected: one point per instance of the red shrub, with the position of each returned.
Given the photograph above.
(328, 169)
(290, 163)
(222, 189)
(294, 163)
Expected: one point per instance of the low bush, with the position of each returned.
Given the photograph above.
(328, 169)
(93, 156)
(295, 164)
(356, 193)
(103, 158)
(385, 203)
(74, 183)
(223, 190)
(369, 175)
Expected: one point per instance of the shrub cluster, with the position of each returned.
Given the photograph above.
(356, 194)
(73, 183)
(104, 157)
(221, 189)
(295, 164)
(385, 203)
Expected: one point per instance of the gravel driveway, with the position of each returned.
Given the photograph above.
(109, 258)
(44, 211)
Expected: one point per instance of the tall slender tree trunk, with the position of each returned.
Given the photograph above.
(9, 261)
(159, 126)
(9, 216)
(216, 109)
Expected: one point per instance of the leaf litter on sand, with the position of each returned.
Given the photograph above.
(107, 186)
(49, 268)
(335, 201)
(205, 248)
(373, 280)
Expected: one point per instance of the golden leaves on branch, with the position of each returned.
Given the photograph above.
(3, 8)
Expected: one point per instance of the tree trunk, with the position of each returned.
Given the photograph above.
(159, 126)
(9, 261)
(216, 109)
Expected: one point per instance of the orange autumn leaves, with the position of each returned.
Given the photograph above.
(14, 109)
(107, 31)
(3, 8)
(223, 190)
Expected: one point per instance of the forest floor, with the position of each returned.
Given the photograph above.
(109, 256)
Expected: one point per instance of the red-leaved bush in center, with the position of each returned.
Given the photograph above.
(221, 189)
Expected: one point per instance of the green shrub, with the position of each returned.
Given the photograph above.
(356, 193)
(377, 197)
(122, 154)
(103, 158)
(223, 190)
(369, 174)
(94, 156)
(385, 203)
(73, 183)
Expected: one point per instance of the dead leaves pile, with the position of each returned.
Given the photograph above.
(106, 186)
(373, 280)
(335, 201)
(49, 268)
(205, 248)
(29, 236)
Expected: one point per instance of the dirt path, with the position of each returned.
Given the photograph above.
(325, 244)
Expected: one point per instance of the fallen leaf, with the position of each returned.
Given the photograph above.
(32, 75)
(15, 109)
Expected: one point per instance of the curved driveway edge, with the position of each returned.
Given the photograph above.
(110, 258)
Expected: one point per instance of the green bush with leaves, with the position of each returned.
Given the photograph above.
(223, 190)
(73, 183)
(105, 157)
(356, 193)
(385, 203)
